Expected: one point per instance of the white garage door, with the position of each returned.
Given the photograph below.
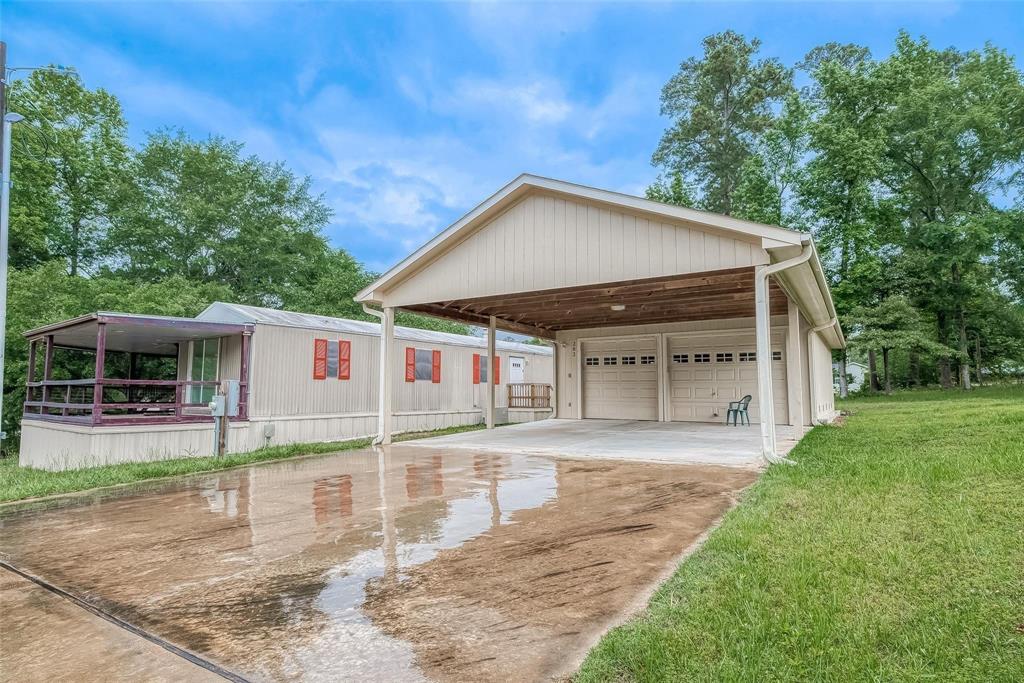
(620, 379)
(706, 373)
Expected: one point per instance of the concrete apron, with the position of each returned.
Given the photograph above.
(635, 440)
(401, 564)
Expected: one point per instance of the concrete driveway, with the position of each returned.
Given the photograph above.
(410, 563)
(702, 443)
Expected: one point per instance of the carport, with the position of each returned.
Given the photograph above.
(656, 313)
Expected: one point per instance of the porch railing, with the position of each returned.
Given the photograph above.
(117, 401)
(529, 395)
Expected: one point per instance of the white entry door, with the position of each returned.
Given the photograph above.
(620, 379)
(516, 369)
(707, 373)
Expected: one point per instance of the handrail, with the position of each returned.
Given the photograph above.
(529, 395)
(167, 406)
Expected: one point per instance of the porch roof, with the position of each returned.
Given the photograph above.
(544, 255)
(131, 332)
(695, 296)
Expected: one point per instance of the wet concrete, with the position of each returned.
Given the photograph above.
(408, 564)
(45, 637)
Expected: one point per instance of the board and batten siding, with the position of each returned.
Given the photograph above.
(283, 384)
(547, 241)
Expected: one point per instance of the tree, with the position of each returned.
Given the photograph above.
(201, 210)
(837, 191)
(718, 104)
(893, 324)
(953, 123)
(775, 168)
(70, 154)
(671, 188)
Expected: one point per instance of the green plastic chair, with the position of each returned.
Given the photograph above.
(738, 411)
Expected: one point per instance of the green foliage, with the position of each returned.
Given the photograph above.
(718, 104)
(202, 210)
(892, 324)
(775, 168)
(671, 188)
(71, 154)
(893, 164)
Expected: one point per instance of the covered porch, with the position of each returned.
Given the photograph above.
(105, 369)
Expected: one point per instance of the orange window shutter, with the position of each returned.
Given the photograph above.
(319, 359)
(344, 359)
(476, 368)
(410, 364)
(435, 367)
(497, 369)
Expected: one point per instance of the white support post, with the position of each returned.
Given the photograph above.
(556, 367)
(794, 366)
(387, 356)
(763, 333)
(491, 355)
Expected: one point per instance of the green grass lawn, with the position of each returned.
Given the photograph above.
(894, 551)
(18, 483)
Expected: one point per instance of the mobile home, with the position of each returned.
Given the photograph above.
(301, 378)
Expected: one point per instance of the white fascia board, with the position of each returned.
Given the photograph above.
(771, 236)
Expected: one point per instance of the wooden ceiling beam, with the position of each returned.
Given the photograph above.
(673, 282)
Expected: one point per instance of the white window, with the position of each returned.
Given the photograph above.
(702, 358)
(593, 361)
(680, 358)
(646, 360)
(203, 368)
(629, 360)
(748, 357)
(723, 357)
(611, 360)
(776, 355)
(424, 364)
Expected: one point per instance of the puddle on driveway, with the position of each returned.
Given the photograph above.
(405, 564)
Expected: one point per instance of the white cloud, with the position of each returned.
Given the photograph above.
(539, 101)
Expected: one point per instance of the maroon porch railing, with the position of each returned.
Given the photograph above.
(117, 401)
(529, 395)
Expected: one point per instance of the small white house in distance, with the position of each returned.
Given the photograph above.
(302, 378)
(855, 373)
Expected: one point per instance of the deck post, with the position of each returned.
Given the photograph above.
(491, 329)
(47, 369)
(763, 330)
(31, 374)
(243, 375)
(387, 345)
(32, 361)
(97, 391)
(133, 359)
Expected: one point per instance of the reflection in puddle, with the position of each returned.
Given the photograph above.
(389, 565)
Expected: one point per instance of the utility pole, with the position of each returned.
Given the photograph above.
(3, 84)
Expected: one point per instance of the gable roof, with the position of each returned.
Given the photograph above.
(220, 311)
(769, 236)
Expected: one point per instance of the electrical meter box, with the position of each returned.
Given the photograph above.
(217, 406)
(232, 395)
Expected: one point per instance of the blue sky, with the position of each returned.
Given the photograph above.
(407, 115)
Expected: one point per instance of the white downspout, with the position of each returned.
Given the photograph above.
(763, 323)
(382, 378)
(810, 367)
